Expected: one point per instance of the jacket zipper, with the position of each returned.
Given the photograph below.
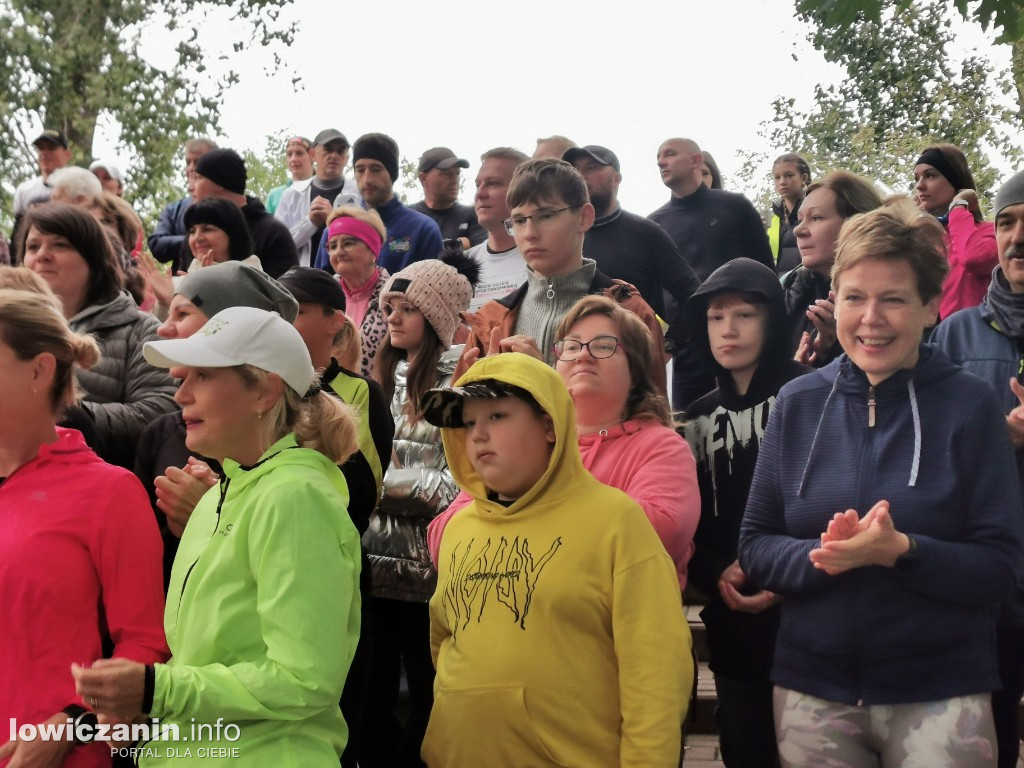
(225, 481)
(871, 406)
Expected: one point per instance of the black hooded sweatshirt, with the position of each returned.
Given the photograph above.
(724, 430)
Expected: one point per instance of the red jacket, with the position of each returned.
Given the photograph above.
(502, 313)
(79, 553)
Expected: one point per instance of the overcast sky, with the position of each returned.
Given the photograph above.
(473, 74)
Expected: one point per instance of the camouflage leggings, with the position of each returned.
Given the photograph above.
(953, 733)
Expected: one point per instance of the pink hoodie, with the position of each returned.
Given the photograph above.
(972, 257)
(79, 551)
(649, 462)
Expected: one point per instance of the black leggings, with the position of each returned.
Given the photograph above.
(401, 638)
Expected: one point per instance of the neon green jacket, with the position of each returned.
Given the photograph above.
(262, 615)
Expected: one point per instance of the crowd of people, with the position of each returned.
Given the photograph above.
(276, 462)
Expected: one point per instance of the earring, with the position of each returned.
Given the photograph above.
(259, 415)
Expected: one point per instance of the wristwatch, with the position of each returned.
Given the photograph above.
(81, 716)
(911, 554)
(958, 204)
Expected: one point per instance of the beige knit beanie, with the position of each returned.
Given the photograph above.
(437, 289)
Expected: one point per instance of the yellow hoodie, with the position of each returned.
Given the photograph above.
(556, 628)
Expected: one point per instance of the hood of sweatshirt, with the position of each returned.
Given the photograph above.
(749, 277)
(565, 469)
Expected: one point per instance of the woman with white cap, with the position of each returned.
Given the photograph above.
(422, 305)
(262, 618)
(175, 477)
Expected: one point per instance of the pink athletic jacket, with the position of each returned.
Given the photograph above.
(79, 549)
(972, 257)
(649, 462)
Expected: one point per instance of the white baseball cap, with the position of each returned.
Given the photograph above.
(241, 336)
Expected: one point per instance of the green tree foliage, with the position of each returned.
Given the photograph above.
(407, 187)
(68, 63)
(902, 92)
(266, 169)
(840, 14)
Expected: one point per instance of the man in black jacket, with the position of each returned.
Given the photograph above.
(221, 173)
(709, 226)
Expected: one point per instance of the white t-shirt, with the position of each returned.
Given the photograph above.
(29, 193)
(500, 273)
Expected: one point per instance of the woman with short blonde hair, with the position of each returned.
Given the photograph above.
(894, 546)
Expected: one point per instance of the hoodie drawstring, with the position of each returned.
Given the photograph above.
(917, 434)
(916, 415)
(592, 453)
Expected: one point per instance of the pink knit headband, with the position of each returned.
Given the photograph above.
(347, 225)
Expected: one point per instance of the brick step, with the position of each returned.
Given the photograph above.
(697, 630)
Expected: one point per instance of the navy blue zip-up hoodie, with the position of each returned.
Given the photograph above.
(940, 454)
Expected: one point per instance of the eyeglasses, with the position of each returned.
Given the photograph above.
(404, 310)
(541, 219)
(348, 244)
(600, 347)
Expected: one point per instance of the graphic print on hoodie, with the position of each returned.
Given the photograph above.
(556, 628)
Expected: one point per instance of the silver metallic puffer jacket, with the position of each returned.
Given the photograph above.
(417, 487)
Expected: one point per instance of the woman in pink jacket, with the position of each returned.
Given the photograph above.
(945, 188)
(79, 548)
(606, 357)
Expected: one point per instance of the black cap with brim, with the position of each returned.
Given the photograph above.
(309, 284)
(443, 407)
(327, 135)
(602, 155)
(51, 136)
(441, 158)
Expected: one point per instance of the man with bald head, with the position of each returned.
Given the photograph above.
(709, 226)
(553, 146)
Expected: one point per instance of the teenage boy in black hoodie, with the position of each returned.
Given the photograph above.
(738, 321)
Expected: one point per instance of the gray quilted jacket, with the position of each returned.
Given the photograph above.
(122, 392)
(417, 487)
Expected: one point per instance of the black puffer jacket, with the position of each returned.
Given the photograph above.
(802, 288)
(123, 392)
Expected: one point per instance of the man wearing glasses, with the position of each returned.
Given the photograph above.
(550, 213)
(304, 209)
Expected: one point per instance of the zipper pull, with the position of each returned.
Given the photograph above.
(871, 406)
(551, 291)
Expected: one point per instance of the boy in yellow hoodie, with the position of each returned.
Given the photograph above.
(556, 628)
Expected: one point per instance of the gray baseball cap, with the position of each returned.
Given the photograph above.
(234, 284)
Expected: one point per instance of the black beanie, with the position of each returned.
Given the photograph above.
(224, 215)
(380, 147)
(224, 167)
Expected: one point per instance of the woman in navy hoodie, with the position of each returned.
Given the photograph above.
(883, 510)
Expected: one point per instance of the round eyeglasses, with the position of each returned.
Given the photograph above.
(600, 347)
